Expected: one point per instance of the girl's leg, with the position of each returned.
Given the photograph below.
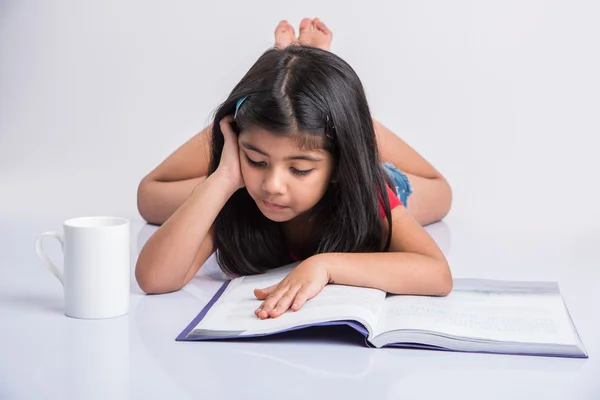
(431, 196)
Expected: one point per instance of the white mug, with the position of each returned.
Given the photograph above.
(96, 269)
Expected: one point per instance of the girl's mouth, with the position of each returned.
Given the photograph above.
(273, 206)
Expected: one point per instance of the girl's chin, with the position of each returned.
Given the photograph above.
(274, 213)
(277, 219)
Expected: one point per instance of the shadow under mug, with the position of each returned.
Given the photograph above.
(96, 269)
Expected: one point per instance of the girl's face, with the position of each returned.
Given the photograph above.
(283, 180)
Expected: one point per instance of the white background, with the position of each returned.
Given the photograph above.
(501, 96)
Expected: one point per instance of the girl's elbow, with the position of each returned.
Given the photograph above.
(445, 287)
(147, 283)
(146, 204)
(142, 200)
(449, 198)
(152, 284)
(445, 282)
(149, 286)
(445, 196)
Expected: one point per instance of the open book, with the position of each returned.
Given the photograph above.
(478, 316)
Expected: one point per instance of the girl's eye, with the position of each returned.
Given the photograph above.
(255, 163)
(301, 172)
(260, 164)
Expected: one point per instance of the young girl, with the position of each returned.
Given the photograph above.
(294, 174)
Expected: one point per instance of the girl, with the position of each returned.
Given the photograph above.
(294, 174)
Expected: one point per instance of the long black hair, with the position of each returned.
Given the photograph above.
(305, 90)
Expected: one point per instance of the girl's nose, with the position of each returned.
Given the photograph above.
(273, 182)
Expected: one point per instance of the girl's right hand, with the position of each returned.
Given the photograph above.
(229, 166)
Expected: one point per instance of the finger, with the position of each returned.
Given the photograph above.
(259, 309)
(285, 302)
(262, 294)
(225, 125)
(226, 121)
(271, 300)
(303, 295)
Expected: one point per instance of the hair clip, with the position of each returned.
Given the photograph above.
(237, 106)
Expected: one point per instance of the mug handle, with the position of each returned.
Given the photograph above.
(44, 257)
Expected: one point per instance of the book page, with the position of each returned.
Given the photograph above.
(489, 314)
(234, 311)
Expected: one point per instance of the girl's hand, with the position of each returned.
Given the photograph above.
(229, 166)
(302, 284)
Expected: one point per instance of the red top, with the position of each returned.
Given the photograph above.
(394, 202)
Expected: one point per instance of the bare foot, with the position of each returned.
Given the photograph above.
(284, 35)
(315, 33)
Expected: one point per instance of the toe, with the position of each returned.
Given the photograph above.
(289, 28)
(321, 26)
(284, 34)
(305, 25)
(281, 26)
(277, 29)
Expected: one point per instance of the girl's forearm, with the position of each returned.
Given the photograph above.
(157, 200)
(171, 251)
(395, 272)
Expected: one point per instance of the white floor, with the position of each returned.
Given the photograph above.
(502, 98)
(45, 353)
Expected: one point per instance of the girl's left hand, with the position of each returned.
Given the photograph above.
(302, 284)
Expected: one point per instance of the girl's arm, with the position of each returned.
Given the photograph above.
(158, 200)
(167, 186)
(413, 265)
(175, 252)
